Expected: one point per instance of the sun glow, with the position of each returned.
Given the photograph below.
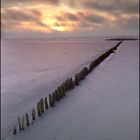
(52, 22)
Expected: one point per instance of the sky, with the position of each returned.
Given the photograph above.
(38, 18)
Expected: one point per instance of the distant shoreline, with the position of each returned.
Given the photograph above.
(120, 39)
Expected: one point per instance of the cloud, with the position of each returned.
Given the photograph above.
(67, 16)
(131, 22)
(122, 6)
(25, 19)
(78, 16)
(18, 15)
(94, 18)
(83, 20)
(10, 3)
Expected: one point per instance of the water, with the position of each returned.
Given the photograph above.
(33, 68)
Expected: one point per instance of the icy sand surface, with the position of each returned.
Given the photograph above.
(34, 68)
(103, 107)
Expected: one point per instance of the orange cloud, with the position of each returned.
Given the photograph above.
(59, 16)
(27, 19)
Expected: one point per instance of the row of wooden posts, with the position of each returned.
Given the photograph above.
(46, 102)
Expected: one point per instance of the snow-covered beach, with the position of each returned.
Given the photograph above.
(104, 106)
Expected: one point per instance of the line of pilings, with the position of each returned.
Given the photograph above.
(49, 101)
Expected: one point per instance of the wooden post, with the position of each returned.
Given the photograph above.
(60, 93)
(76, 79)
(86, 70)
(53, 99)
(54, 96)
(42, 105)
(23, 123)
(33, 114)
(66, 86)
(79, 77)
(15, 131)
(19, 123)
(57, 95)
(50, 100)
(83, 76)
(69, 86)
(63, 89)
(71, 83)
(46, 103)
(27, 120)
(83, 73)
(39, 109)
(91, 66)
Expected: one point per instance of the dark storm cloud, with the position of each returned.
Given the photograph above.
(122, 6)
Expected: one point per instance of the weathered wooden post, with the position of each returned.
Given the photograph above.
(19, 123)
(39, 109)
(91, 66)
(60, 92)
(23, 123)
(15, 131)
(86, 70)
(27, 120)
(51, 101)
(42, 105)
(57, 95)
(46, 103)
(33, 114)
(66, 86)
(69, 85)
(63, 89)
(53, 98)
(72, 83)
(76, 79)
(81, 75)
(84, 74)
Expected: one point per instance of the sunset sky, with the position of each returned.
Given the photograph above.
(69, 17)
